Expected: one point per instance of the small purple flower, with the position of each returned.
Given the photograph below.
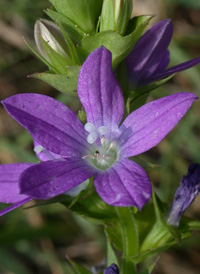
(112, 269)
(102, 146)
(185, 194)
(150, 57)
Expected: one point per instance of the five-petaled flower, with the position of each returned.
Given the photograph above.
(150, 57)
(185, 194)
(101, 148)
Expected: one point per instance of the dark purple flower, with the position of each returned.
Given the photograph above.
(150, 57)
(112, 269)
(185, 194)
(101, 148)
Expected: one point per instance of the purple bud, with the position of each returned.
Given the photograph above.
(112, 269)
(185, 194)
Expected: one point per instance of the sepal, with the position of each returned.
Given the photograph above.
(119, 46)
(115, 15)
(73, 30)
(66, 83)
(139, 96)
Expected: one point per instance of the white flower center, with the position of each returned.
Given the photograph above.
(105, 152)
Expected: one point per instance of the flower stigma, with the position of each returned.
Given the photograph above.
(105, 152)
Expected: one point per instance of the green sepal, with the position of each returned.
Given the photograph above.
(75, 33)
(158, 236)
(66, 83)
(115, 15)
(93, 208)
(139, 96)
(59, 62)
(135, 22)
(77, 268)
(119, 46)
(143, 163)
(107, 20)
(111, 256)
(190, 224)
(124, 16)
(144, 255)
(40, 57)
(82, 12)
(72, 49)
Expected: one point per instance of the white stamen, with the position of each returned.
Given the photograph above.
(102, 140)
(102, 130)
(38, 149)
(89, 127)
(92, 137)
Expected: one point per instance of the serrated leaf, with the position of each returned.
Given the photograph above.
(66, 83)
(119, 46)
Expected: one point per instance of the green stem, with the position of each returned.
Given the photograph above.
(130, 239)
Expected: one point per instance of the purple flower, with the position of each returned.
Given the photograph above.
(185, 194)
(112, 269)
(101, 148)
(150, 57)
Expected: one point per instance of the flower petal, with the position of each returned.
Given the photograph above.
(43, 154)
(16, 205)
(148, 125)
(52, 178)
(9, 177)
(178, 68)
(163, 63)
(51, 123)
(99, 91)
(124, 184)
(149, 52)
(185, 194)
(112, 269)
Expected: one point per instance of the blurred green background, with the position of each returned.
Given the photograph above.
(38, 240)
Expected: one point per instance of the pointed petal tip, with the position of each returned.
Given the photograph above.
(165, 23)
(190, 95)
(162, 115)
(14, 206)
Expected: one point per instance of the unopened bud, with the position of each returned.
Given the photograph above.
(50, 33)
(115, 15)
